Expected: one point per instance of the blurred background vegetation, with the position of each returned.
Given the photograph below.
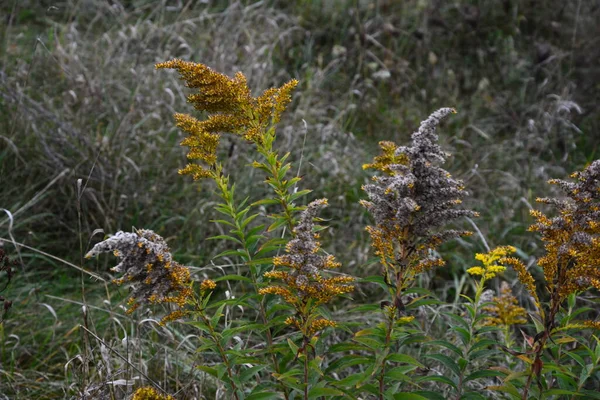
(88, 145)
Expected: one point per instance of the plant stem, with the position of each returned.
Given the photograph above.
(305, 369)
(388, 337)
(215, 339)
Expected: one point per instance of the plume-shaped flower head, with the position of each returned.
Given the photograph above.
(300, 271)
(230, 107)
(414, 201)
(147, 264)
(572, 238)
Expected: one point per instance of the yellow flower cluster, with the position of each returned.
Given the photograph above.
(505, 310)
(388, 157)
(572, 239)
(313, 326)
(490, 260)
(300, 272)
(149, 393)
(231, 109)
(207, 285)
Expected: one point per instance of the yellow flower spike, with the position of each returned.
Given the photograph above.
(149, 393)
(388, 157)
(490, 261)
(207, 285)
(476, 271)
(505, 309)
(231, 109)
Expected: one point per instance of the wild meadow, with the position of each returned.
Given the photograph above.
(299, 200)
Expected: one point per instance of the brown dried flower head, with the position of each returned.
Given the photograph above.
(300, 271)
(413, 201)
(147, 264)
(572, 238)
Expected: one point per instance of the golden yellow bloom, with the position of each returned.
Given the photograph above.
(571, 239)
(207, 285)
(524, 276)
(388, 157)
(476, 271)
(149, 393)
(490, 261)
(300, 272)
(231, 109)
(319, 325)
(505, 309)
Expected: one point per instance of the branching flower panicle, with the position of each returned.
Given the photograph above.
(230, 107)
(572, 260)
(505, 310)
(147, 264)
(490, 261)
(149, 393)
(301, 275)
(572, 239)
(411, 204)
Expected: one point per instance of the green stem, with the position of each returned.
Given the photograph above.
(221, 350)
(388, 337)
(227, 196)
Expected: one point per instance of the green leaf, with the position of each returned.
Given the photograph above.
(233, 278)
(214, 321)
(208, 370)
(339, 347)
(280, 221)
(222, 221)
(590, 394)
(423, 302)
(472, 396)
(396, 374)
(261, 261)
(485, 373)
(349, 360)
(408, 396)
(298, 194)
(403, 358)
(429, 395)
(236, 253)
(448, 345)
(507, 389)
(464, 334)
(323, 391)
(457, 318)
(200, 325)
(554, 392)
(225, 237)
(263, 396)
(446, 361)
(352, 380)
(250, 372)
(576, 357)
(292, 346)
(436, 378)
(482, 343)
(265, 202)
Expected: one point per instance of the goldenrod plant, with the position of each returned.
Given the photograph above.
(570, 266)
(277, 337)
